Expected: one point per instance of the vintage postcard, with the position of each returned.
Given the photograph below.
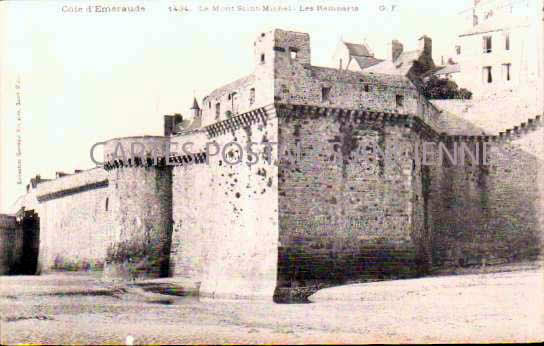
(271, 172)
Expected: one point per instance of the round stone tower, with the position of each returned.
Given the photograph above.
(140, 203)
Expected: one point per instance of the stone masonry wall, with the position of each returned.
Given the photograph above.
(345, 214)
(140, 189)
(491, 213)
(225, 215)
(283, 66)
(74, 224)
(11, 244)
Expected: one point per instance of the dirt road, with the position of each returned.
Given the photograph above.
(77, 308)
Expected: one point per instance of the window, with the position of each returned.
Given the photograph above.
(234, 98)
(107, 203)
(340, 65)
(325, 93)
(293, 53)
(507, 41)
(487, 44)
(217, 110)
(251, 96)
(367, 88)
(399, 99)
(262, 58)
(487, 75)
(458, 50)
(506, 71)
(209, 105)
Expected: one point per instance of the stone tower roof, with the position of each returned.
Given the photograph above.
(195, 104)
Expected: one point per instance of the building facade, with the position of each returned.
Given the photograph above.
(499, 48)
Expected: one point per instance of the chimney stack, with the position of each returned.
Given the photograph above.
(171, 123)
(426, 45)
(396, 49)
(168, 125)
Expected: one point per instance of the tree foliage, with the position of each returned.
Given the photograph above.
(443, 89)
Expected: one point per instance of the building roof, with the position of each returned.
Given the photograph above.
(184, 123)
(358, 49)
(332, 74)
(450, 68)
(408, 57)
(37, 180)
(401, 65)
(189, 125)
(366, 61)
(237, 84)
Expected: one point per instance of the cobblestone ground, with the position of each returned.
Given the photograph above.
(77, 308)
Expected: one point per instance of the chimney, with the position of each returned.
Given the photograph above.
(168, 125)
(171, 122)
(426, 45)
(396, 49)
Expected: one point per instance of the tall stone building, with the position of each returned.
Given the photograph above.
(294, 175)
(499, 48)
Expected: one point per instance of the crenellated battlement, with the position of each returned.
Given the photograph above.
(159, 162)
(505, 136)
(247, 119)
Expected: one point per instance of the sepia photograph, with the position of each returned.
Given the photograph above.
(271, 172)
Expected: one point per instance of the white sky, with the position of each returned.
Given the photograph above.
(86, 78)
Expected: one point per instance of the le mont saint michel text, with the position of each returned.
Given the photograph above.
(277, 8)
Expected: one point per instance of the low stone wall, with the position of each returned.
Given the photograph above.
(490, 213)
(11, 244)
(74, 219)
